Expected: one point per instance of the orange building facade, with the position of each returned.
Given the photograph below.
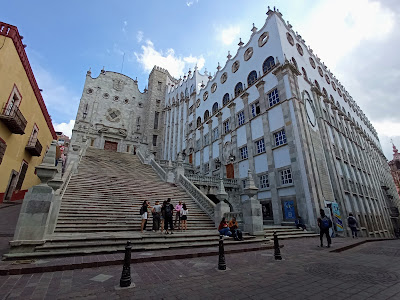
(26, 129)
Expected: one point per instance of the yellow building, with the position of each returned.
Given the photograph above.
(25, 125)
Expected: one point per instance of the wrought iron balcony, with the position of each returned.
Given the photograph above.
(12, 117)
(394, 212)
(34, 147)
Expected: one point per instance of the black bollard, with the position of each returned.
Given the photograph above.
(221, 260)
(277, 253)
(125, 280)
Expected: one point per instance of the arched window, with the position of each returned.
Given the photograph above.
(206, 115)
(268, 64)
(215, 108)
(295, 63)
(198, 121)
(238, 88)
(317, 85)
(304, 73)
(252, 78)
(225, 100)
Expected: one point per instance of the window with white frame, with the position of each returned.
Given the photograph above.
(260, 146)
(206, 140)
(273, 97)
(226, 126)
(264, 183)
(215, 134)
(286, 176)
(198, 144)
(240, 117)
(243, 152)
(255, 108)
(280, 137)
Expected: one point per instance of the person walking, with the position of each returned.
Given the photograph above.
(324, 223)
(169, 211)
(184, 214)
(143, 213)
(156, 216)
(162, 215)
(178, 208)
(352, 222)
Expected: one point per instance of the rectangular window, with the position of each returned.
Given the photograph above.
(198, 144)
(286, 176)
(280, 137)
(3, 147)
(243, 152)
(215, 134)
(154, 140)
(264, 183)
(159, 85)
(206, 167)
(127, 148)
(260, 145)
(273, 97)
(206, 141)
(255, 109)
(244, 183)
(226, 126)
(156, 115)
(240, 117)
(158, 102)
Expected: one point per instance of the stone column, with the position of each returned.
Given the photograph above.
(220, 145)
(210, 148)
(250, 144)
(33, 220)
(252, 210)
(201, 128)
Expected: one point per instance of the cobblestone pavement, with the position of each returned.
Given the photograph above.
(370, 271)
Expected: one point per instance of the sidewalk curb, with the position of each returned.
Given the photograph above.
(18, 270)
(348, 247)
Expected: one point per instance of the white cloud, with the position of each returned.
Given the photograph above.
(65, 128)
(168, 60)
(190, 3)
(228, 35)
(139, 36)
(124, 27)
(334, 28)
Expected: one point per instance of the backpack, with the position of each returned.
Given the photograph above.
(326, 223)
(141, 210)
(168, 210)
(351, 221)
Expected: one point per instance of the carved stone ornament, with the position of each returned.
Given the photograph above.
(248, 53)
(224, 77)
(113, 115)
(118, 84)
(263, 39)
(235, 66)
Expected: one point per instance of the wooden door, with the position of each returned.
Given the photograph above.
(230, 173)
(111, 146)
(190, 158)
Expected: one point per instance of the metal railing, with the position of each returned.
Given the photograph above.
(201, 199)
(12, 112)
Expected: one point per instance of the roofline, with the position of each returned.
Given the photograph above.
(11, 31)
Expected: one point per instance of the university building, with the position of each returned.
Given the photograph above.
(274, 111)
(26, 130)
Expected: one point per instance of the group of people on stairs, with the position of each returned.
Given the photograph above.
(163, 216)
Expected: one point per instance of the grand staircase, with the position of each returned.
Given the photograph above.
(100, 210)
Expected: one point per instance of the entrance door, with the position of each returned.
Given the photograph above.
(190, 158)
(289, 210)
(111, 146)
(267, 210)
(11, 185)
(230, 173)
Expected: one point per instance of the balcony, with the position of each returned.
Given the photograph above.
(13, 119)
(394, 212)
(34, 147)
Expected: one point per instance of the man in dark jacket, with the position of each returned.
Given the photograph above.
(324, 223)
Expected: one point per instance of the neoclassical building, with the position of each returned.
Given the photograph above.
(273, 109)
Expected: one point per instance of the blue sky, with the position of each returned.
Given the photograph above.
(65, 40)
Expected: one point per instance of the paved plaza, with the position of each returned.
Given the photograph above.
(370, 271)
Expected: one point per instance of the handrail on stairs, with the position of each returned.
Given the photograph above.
(158, 169)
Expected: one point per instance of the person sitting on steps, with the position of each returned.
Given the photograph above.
(234, 228)
(300, 223)
(223, 228)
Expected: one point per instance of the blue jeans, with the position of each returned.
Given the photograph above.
(225, 231)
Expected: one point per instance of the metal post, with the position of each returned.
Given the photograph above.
(221, 260)
(125, 280)
(277, 253)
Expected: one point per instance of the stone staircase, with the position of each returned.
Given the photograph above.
(287, 232)
(99, 212)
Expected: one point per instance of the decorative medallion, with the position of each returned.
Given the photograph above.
(321, 73)
(89, 91)
(106, 95)
(235, 66)
(118, 84)
(224, 77)
(116, 98)
(214, 87)
(205, 95)
(290, 38)
(248, 53)
(113, 115)
(312, 62)
(299, 49)
(327, 79)
(263, 39)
